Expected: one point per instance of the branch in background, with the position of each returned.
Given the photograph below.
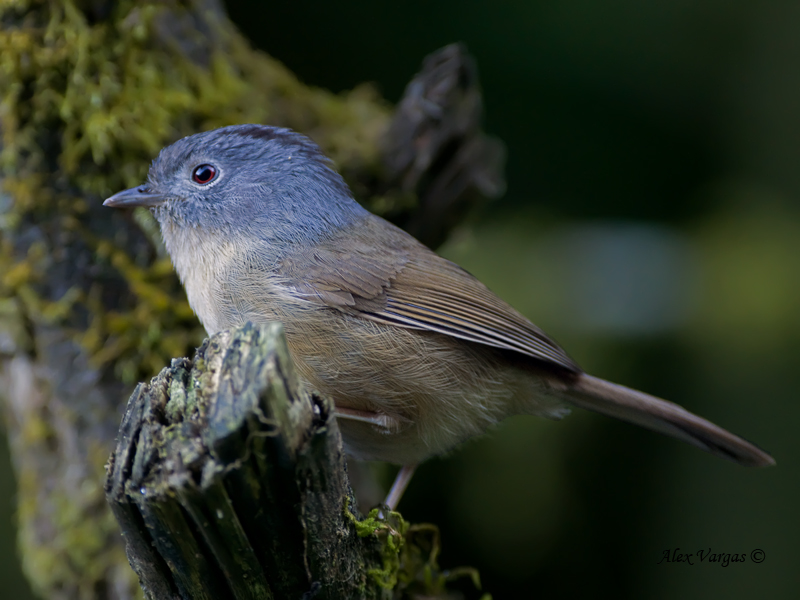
(436, 149)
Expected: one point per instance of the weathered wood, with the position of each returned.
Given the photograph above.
(435, 147)
(228, 480)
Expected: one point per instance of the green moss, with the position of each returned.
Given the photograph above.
(78, 550)
(118, 91)
(409, 556)
(391, 538)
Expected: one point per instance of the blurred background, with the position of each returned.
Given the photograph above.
(651, 226)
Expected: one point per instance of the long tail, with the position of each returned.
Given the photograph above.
(659, 415)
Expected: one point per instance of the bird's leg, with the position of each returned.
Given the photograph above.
(389, 424)
(399, 486)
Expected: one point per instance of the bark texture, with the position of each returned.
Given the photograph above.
(228, 480)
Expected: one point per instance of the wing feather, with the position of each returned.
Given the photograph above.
(387, 276)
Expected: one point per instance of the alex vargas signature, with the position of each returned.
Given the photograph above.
(709, 556)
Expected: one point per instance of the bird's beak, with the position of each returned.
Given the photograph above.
(138, 196)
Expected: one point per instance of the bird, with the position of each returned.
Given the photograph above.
(417, 354)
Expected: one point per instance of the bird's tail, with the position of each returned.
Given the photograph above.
(665, 417)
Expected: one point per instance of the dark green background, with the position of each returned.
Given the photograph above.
(653, 151)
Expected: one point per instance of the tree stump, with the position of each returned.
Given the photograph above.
(229, 481)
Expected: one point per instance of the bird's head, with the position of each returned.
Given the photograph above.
(251, 180)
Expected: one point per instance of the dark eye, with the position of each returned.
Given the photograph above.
(202, 174)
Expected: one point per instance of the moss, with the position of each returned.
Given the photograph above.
(79, 552)
(118, 90)
(409, 556)
(391, 537)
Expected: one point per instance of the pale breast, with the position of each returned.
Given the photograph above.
(224, 284)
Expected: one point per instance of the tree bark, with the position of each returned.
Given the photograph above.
(89, 304)
(229, 481)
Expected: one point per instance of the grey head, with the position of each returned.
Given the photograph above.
(254, 180)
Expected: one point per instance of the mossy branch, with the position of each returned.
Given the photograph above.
(90, 91)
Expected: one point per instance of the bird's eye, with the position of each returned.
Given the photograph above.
(202, 174)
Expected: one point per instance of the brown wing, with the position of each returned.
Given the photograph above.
(403, 283)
